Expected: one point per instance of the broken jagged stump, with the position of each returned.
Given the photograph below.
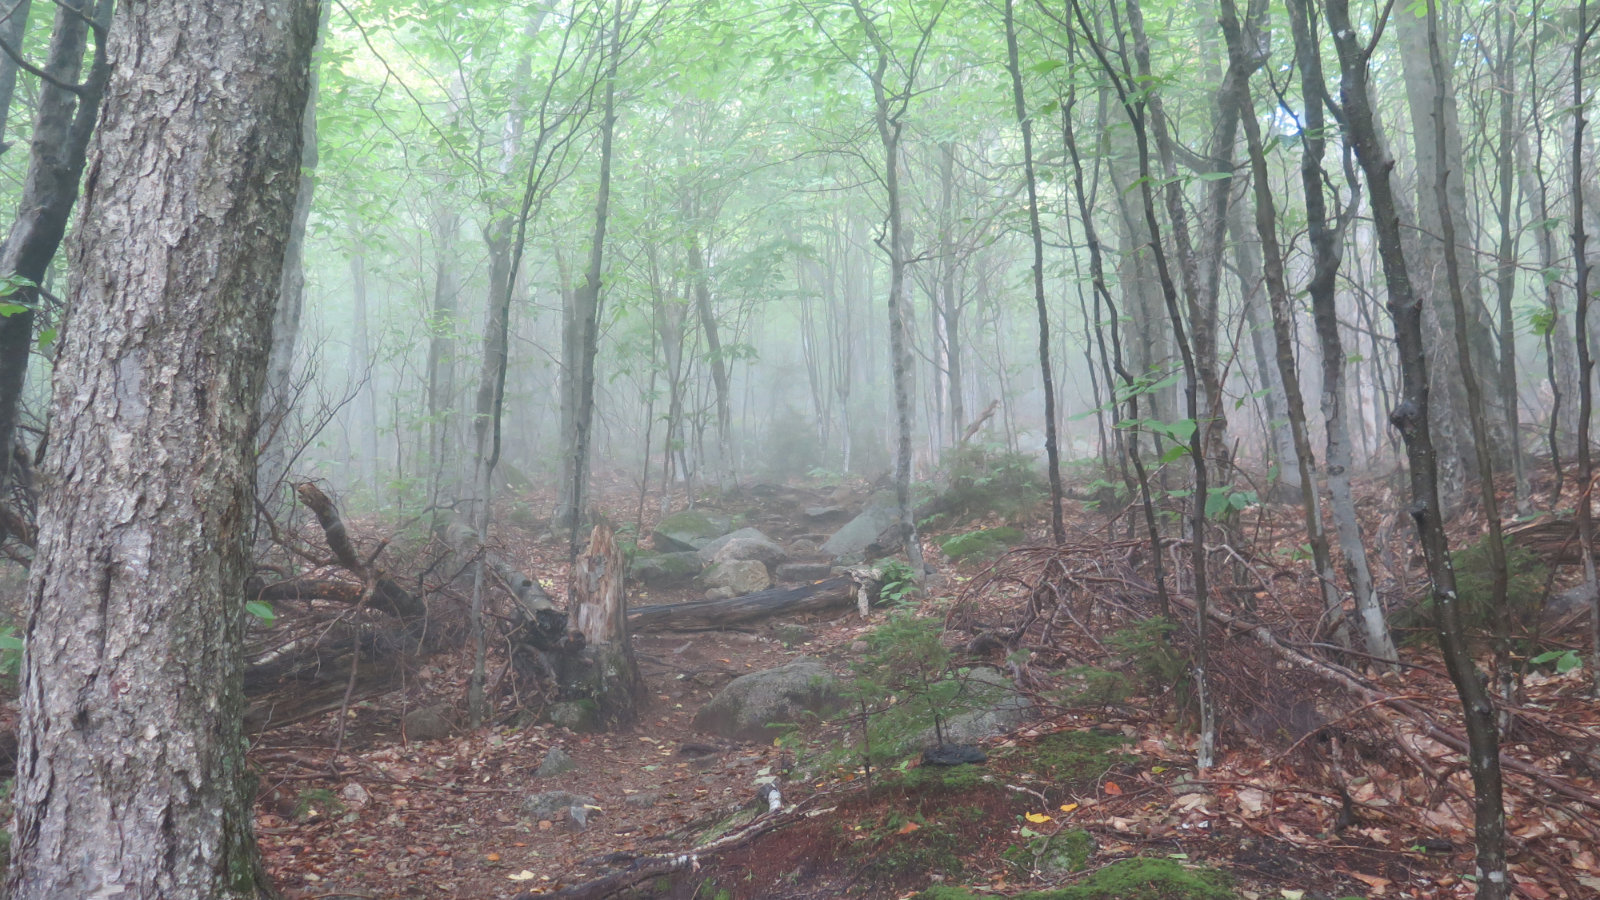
(604, 671)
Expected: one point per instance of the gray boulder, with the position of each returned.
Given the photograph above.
(665, 569)
(690, 530)
(737, 577)
(746, 708)
(849, 543)
(556, 762)
(428, 723)
(574, 715)
(746, 543)
(803, 548)
(1571, 603)
(806, 572)
(987, 706)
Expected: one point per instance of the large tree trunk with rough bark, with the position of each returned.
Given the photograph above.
(131, 780)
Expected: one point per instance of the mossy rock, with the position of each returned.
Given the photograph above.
(664, 569)
(575, 715)
(1140, 878)
(985, 544)
(1054, 855)
(691, 530)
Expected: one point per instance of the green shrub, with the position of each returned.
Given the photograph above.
(1525, 585)
(985, 544)
(987, 480)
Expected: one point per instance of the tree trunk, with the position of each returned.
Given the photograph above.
(1499, 606)
(586, 303)
(1058, 528)
(888, 110)
(1240, 44)
(1423, 92)
(276, 401)
(62, 126)
(12, 32)
(358, 374)
(1580, 262)
(131, 780)
(602, 619)
(1247, 260)
(1411, 419)
(1506, 274)
(1326, 240)
(443, 476)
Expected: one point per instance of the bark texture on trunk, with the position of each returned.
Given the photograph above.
(131, 779)
(602, 618)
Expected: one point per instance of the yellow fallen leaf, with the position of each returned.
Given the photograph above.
(1038, 818)
(1068, 807)
(524, 875)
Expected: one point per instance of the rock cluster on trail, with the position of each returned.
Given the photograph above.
(749, 705)
(665, 569)
(849, 544)
(735, 578)
(744, 544)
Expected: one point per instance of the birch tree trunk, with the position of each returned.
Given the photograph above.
(131, 778)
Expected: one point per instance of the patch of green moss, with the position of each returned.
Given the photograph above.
(1077, 757)
(697, 523)
(1053, 855)
(941, 778)
(985, 544)
(1128, 879)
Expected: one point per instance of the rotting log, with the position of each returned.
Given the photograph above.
(697, 615)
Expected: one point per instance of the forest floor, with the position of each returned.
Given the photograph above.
(1317, 794)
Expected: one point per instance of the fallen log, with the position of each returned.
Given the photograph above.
(713, 614)
(339, 586)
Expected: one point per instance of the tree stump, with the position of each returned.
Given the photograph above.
(611, 675)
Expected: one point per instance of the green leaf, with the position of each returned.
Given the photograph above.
(262, 611)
